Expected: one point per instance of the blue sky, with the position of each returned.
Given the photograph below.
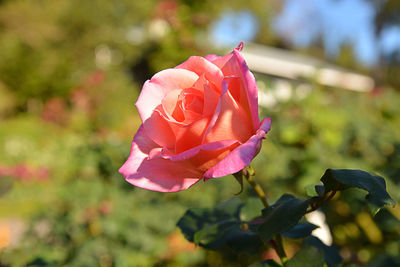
(303, 21)
(233, 28)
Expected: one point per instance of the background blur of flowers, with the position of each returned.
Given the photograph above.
(70, 72)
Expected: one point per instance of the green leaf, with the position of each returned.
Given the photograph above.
(282, 216)
(241, 241)
(320, 189)
(219, 227)
(300, 230)
(331, 254)
(335, 180)
(307, 257)
(198, 219)
(310, 191)
(192, 221)
(6, 184)
(229, 234)
(216, 235)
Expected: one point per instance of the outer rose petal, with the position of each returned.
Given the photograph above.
(156, 174)
(234, 64)
(241, 156)
(206, 159)
(159, 85)
(251, 86)
(194, 151)
(201, 157)
(232, 122)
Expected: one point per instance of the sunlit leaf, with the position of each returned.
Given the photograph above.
(310, 191)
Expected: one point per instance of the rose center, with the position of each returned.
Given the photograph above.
(189, 105)
(192, 100)
(184, 105)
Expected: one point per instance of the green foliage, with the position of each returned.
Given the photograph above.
(301, 230)
(282, 216)
(331, 254)
(198, 218)
(221, 227)
(307, 257)
(335, 180)
(337, 129)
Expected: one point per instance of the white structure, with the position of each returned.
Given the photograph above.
(290, 65)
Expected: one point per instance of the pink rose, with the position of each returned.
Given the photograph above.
(200, 120)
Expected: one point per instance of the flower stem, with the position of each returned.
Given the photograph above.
(249, 173)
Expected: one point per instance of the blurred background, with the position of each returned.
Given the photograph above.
(71, 71)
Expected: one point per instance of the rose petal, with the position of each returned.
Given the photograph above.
(217, 110)
(191, 135)
(241, 156)
(194, 151)
(206, 159)
(234, 64)
(201, 66)
(155, 174)
(201, 157)
(211, 94)
(159, 85)
(193, 100)
(233, 122)
(211, 97)
(169, 103)
(251, 87)
(211, 57)
(158, 129)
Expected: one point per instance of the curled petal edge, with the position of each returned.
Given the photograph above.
(250, 84)
(166, 154)
(249, 81)
(241, 156)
